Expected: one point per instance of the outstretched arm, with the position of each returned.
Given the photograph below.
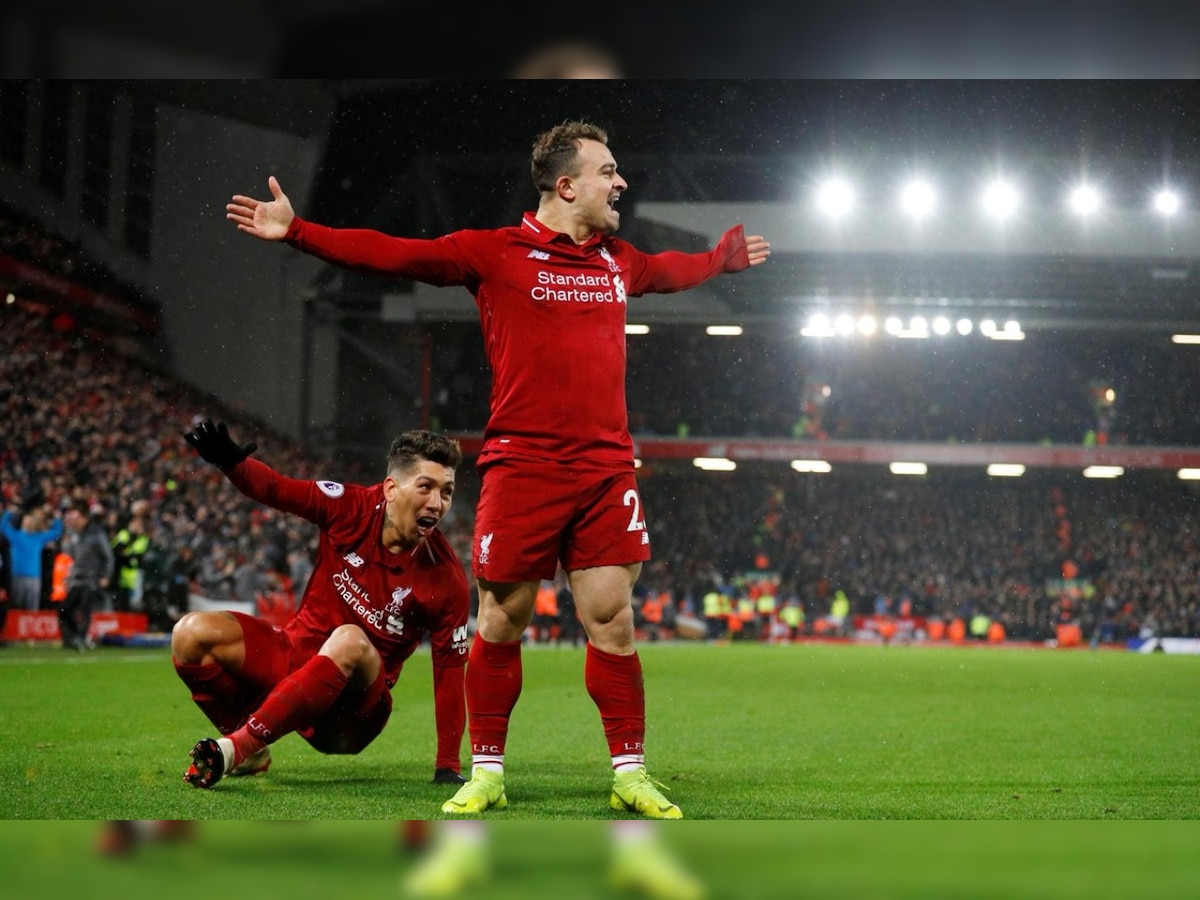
(673, 270)
(265, 219)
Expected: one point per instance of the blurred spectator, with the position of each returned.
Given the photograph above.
(26, 546)
(182, 574)
(91, 566)
(300, 569)
(130, 546)
(251, 578)
(215, 578)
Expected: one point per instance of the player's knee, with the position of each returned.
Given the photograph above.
(349, 646)
(192, 636)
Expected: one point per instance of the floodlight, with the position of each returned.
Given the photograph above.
(1010, 332)
(1166, 202)
(908, 468)
(917, 328)
(818, 466)
(818, 326)
(729, 330)
(1085, 200)
(630, 328)
(844, 324)
(964, 327)
(1103, 472)
(1006, 470)
(835, 198)
(714, 464)
(917, 199)
(866, 325)
(1000, 200)
(941, 325)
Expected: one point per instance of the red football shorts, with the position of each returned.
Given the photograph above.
(534, 515)
(356, 719)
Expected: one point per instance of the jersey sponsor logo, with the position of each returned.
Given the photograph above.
(354, 559)
(485, 548)
(356, 598)
(580, 287)
(331, 489)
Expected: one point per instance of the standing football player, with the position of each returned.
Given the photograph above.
(557, 466)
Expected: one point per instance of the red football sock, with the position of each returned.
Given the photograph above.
(296, 701)
(615, 685)
(493, 684)
(216, 691)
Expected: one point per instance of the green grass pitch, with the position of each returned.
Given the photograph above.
(812, 770)
(736, 732)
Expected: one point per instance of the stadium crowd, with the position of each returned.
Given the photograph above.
(1121, 560)
(85, 425)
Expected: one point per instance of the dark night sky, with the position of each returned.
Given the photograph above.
(1059, 116)
(1146, 127)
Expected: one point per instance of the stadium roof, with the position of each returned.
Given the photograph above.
(702, 155)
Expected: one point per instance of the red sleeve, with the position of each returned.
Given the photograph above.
(665, 273)
(260, 482)
(450, 713)
(436, 261)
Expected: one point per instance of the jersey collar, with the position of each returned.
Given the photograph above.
(545, 234)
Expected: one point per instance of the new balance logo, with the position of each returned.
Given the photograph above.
(538, 254)
(354, 559)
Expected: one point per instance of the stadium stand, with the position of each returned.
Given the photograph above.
(85, 423)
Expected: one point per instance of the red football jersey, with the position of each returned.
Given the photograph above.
(553, 319)
(395, 598)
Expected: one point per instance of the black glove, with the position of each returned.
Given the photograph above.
(214, 445)
(447, 776)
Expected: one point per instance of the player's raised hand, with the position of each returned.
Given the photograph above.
(265, 219)
(758, 248)
(215, 446)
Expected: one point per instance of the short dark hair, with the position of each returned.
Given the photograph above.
(555, 151)
(417, 444)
